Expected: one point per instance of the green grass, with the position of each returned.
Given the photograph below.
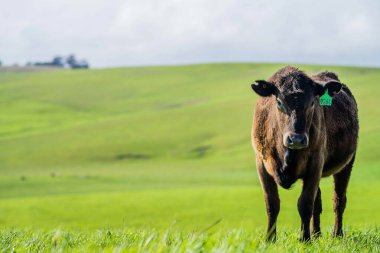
(235, 240)
(135, 149)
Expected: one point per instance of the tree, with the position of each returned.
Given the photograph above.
(71, 59)
(75, 64)
(58, 61)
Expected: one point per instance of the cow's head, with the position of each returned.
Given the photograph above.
(296, 97)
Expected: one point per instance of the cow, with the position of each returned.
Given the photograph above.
(295, 137)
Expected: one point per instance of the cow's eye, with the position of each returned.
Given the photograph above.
(280, 105)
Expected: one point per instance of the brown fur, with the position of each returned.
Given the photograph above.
(332, 140)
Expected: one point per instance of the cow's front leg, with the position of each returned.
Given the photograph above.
(272, 199)
(316, 230)
(306, 201)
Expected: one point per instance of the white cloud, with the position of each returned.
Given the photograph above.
(141, 32)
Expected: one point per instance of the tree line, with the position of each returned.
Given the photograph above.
(69, 61)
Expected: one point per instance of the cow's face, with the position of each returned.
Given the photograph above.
(296, 98)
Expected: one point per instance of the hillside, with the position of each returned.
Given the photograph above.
(145, 146)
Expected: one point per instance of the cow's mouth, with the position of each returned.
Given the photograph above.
(297, 146)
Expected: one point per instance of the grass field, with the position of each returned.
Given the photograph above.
(133, 151)
(233, 240)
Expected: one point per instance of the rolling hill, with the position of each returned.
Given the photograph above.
(146, 146)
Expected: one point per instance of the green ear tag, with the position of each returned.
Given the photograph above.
(325, 99)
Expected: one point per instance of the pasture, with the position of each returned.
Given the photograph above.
(160, 159)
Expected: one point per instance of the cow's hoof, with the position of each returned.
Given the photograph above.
(304, 239)
(338, 234)
(271, 238)
(317, 234)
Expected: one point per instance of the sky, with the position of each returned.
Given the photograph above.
(111, 33)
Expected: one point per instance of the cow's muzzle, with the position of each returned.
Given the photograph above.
(296, 141)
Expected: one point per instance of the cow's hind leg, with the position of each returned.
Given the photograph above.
(316, 214)
(272, 200)
(341, 180)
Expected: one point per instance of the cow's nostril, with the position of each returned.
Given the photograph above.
(289, 140)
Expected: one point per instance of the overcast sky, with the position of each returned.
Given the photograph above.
(154, 32)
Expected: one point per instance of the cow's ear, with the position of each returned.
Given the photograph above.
(333, 88)
(263, 88)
